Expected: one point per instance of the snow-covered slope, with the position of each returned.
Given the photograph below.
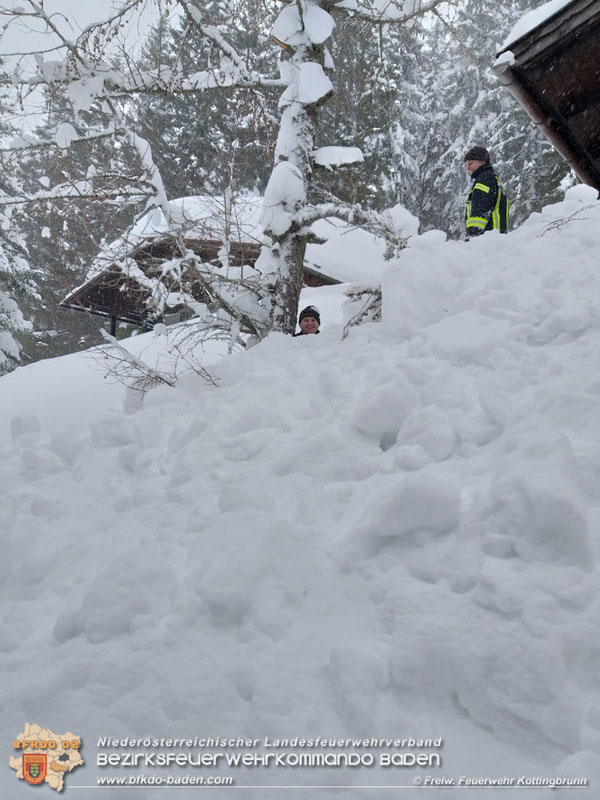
(389, 536)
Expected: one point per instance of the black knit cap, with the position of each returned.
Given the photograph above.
(310, 311)
(477, 154)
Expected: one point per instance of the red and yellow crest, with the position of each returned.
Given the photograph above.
(35, 766)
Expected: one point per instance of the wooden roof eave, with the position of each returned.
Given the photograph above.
(79, 299)
(129, 319)
(85, 297)
(549, 121)
(318, 273)
(564, 23)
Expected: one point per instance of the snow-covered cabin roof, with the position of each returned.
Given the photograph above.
(122, 276)
(196, 218)
(533, 19)
(550, 64)
(120, 280)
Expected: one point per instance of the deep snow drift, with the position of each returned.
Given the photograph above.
(394, 535)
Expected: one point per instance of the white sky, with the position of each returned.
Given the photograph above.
(72, 16)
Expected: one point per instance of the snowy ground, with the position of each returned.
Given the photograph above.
(394, 535)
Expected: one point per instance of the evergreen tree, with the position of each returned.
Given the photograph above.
(375, 107)
(18, 293)
(64, 236)
(204, 143)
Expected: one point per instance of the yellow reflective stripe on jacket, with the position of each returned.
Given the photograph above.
(476, 222)
(496, 211)
(495, 216)
(507, 201)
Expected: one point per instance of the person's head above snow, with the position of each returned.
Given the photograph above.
(309, 320)
(476, 157)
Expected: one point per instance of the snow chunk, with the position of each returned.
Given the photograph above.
(418, 502)
(24, 425)
(113, 604)
(318, 23)
(283, 194)
(429, 427)
(540, 511)
(418, 292)
(288, 26)
(380, 411)
(582, 193)
(313, 84)
(454, 337)
(336, 156)
(65, 134)
(404, 224)
(506, 59)
(312, 25)
(83, 93)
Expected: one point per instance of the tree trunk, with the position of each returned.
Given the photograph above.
(289, 283)
(289, 186)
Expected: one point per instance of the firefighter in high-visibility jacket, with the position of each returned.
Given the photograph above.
(487, 202)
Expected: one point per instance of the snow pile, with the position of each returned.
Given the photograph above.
(392, 535)
(352, 254)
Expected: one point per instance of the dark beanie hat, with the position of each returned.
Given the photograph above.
(310, 311)
(477, 154)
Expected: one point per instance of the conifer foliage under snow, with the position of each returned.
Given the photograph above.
(15, 285)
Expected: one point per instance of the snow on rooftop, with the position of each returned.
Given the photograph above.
(352, 254)
(202, 217)
(206, 217)
(534, 18)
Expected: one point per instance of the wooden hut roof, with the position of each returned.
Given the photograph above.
(124, 275)
(551, 65)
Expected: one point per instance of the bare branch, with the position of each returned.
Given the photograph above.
(30, 143)
(83, 190)
(36, 52)
(245, 77)
(129, 369)
(384, 13)
(110, 20)
(379, 224)
(194, 14)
